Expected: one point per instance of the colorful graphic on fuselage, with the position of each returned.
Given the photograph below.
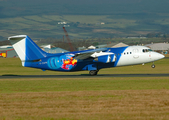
(65, 62)
(69, 63)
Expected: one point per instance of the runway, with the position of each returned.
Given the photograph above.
(6, 76)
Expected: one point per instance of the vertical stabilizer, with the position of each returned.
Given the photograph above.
(26, 49)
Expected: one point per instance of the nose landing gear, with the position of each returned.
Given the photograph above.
(153, 66)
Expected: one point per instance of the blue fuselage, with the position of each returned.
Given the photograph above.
(67, 61)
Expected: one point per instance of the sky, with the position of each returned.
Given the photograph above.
(140, 12)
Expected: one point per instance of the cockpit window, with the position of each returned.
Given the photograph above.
(146, 50)
(149, 50)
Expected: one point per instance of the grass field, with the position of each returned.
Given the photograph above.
(104, 98)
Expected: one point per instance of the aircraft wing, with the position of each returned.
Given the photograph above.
(90, 53)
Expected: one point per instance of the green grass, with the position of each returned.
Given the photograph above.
(81, 84)
(12, 66)
(81, 98)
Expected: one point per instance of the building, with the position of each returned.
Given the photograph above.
(135, 37)
(46, 46)
(7, 53)
(6, 46)
(82, 48)
(51, 49)
(62, 23)
(55, 50)
(159, 47)
(91, 47)
(113, 45)
(101, 46)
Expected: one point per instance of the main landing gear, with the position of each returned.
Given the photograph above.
(93, 72)
(153, 66)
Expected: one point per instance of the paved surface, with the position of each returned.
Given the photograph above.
(82, 76)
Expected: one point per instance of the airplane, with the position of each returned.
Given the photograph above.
(33, 56)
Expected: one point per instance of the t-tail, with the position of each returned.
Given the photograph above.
(26, 49)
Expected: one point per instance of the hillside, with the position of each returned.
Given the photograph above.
(121, 18)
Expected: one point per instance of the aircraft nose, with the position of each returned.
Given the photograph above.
(160, 56)
(156, 56)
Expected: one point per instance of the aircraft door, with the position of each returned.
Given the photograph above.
(135, 53)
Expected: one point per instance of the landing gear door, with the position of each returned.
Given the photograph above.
(114, 58)
(135, 53)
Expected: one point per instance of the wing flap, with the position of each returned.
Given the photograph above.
(87, 54)
(83, 56)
